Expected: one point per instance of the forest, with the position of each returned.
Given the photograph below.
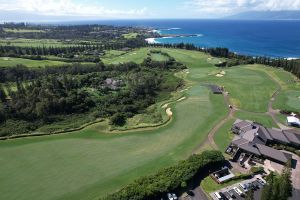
(31, 98)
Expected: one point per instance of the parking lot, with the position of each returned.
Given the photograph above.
(230, 193)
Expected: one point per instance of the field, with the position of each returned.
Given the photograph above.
(23, 30)
(91, 163)
(11, 62)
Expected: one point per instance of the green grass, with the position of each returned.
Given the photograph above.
(23, 30)
(159, 57)
(22, 42)
(137, 56)
(224, 136)
(130, 35)
(11, 62)
(288, 100)
(260, 118)
(249, 89)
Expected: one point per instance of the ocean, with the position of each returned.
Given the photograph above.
(280, 38)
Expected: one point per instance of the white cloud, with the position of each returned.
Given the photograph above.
(225, 7)
(66, 8)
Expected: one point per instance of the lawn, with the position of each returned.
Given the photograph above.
(159, 57)
(11, 62)
(89, 163)
(22, 42)
(264, 119)
(249, 89)
(130, 35)
(288, 100)
(224, 136)
(137, 56)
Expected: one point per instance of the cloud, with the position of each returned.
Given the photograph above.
(66, 8)
(225, 7)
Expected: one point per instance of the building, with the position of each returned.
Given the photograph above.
(222, 175)
(293, 121)
(255, 141)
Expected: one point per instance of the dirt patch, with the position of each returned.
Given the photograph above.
(169, 112)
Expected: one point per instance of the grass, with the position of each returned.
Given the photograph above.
(224, 136)
(264, 119)
(130, 35)
(159, 57)
(23, 30)
(288, 100)
(137, 56)
(11, 62)
(22, 42)
(249, 89)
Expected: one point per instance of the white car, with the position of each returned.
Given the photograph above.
(238, 191)
(172, 196)
(261, 181)
(244, 187)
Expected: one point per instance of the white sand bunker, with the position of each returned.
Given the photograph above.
(181, 99)
(186, 71)
(5, 58)
(221, 74)
(169, 112)
(299, 97)
(165, 105)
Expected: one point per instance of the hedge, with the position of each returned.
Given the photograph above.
(168, 179)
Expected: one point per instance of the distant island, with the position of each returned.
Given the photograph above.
(267, 15)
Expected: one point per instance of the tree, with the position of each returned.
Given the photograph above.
(250, 195)
(286, 187)
(118, 119)
(268, 189)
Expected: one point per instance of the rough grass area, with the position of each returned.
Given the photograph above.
(11, 62)
(264, 119)
(159, 57)
(224, 136)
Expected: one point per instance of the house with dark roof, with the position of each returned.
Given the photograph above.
(254, 139)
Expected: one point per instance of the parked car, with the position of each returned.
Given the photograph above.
(217, 195)
(244, 187)
(231, 194)
(238, 191)
(252, 186)
(257, 184)
(172, 196)
(261, 181)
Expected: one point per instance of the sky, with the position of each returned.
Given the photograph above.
(19, 10)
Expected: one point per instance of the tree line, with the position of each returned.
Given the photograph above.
(170, 179)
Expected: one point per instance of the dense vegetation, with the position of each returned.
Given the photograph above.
(279, 187)
(42, 96)
(169, 179)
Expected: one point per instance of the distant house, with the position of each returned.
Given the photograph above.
(293, 121)
(255, 140)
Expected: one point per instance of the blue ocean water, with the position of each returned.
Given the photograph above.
(280, 38)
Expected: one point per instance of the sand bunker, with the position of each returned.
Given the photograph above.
(181, 99)
(223, 72)
(165, 105)
(5, 58)
(169, 112)
(219, 75)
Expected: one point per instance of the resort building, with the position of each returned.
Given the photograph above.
(255, 141)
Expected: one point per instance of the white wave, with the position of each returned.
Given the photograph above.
(151, 41)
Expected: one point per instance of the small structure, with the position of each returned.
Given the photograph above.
(222, 175)
(216, 89)
(293, 121)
